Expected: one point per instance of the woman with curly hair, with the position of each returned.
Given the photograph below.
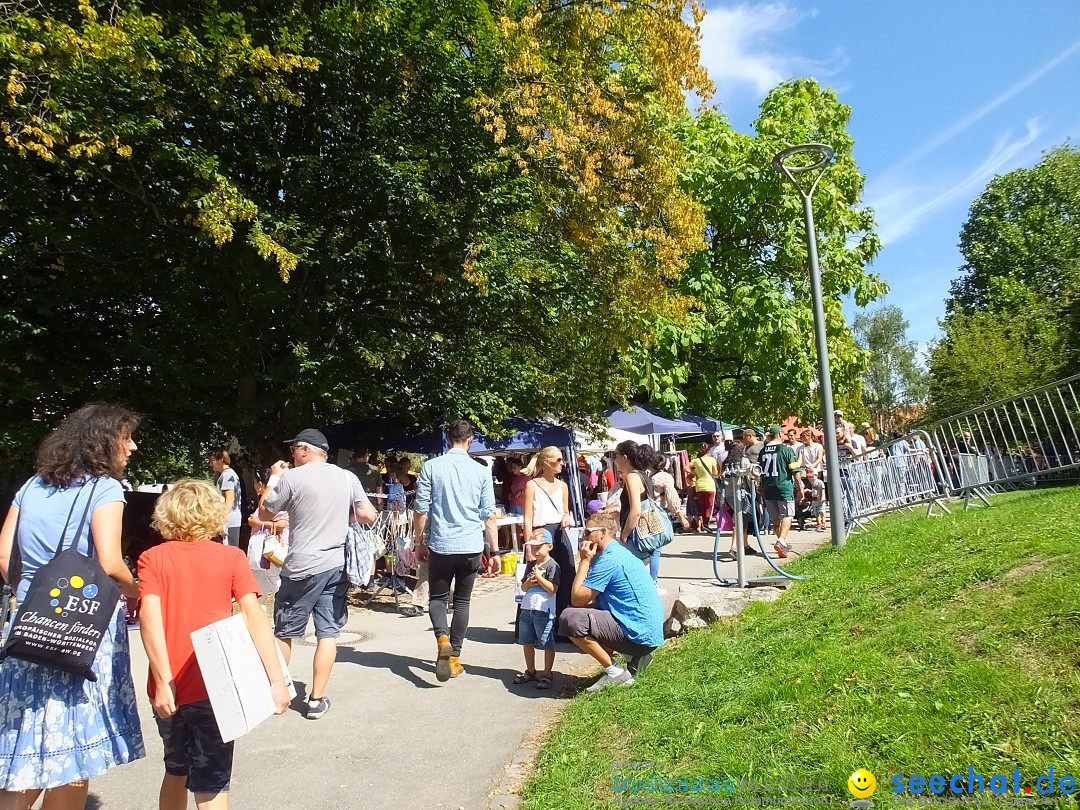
(58, 730)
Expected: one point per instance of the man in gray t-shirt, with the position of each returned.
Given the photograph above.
(320, 499)
(228, 484)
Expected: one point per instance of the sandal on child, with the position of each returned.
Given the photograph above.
(526, 676)
(544, 681)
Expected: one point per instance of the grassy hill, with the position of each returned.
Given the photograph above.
(926, 646)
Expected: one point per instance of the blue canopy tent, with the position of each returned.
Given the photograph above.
(640, 420)
(531, 435)
(523, 434)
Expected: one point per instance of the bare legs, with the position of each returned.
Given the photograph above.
(65, 797)
(530, 658)
(593, 648)
(325, 656)
(174, 796)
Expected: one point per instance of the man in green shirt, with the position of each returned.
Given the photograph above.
(781, 480)
(369, 475)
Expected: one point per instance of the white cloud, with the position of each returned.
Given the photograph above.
(951, 131)
(739, 49)
(900, 205)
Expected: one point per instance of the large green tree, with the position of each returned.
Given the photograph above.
(745, 350)
(1013, 314)
(984, 356)
(241, 218)
(1023, 230)
(893, 376)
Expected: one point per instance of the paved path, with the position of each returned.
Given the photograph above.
(395, 737)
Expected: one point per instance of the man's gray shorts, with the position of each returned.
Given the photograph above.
(601, 627)
(778, 510)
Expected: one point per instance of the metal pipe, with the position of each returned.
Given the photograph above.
(739, 528)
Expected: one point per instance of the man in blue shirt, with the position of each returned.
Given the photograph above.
(457, 496)
(615, 605)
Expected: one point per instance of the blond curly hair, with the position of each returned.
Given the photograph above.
(190, 510)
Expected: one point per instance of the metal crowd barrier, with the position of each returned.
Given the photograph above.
(897, 476)
(1028, 438)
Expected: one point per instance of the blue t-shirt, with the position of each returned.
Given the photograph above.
(628, 592)
(44, 509)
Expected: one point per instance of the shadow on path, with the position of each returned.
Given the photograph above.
(409, 668)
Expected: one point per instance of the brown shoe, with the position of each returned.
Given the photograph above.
(442, 662)
(455, 667)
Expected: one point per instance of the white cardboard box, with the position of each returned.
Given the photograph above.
(236, 681)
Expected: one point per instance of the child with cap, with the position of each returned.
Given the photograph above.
(186, 584)
(536, 625)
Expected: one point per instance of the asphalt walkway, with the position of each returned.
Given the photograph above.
(395, 737)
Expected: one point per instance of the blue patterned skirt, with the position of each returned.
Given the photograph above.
(56, 728)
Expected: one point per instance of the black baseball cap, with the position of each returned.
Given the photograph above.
(313, 437)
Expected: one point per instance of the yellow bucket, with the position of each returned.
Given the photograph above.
(509, 563)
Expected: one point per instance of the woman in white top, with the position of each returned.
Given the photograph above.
(547, 509)
(811, 455)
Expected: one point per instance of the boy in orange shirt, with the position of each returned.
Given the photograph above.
(186, 584)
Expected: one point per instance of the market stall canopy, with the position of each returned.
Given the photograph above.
(381, 434)
(605, 442)
(641, 421)
(523, 434)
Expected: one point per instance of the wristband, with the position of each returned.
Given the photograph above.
(272, 481)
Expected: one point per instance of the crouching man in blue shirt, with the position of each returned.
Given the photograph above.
(615, 605)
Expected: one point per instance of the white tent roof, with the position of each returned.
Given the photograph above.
(605, 442)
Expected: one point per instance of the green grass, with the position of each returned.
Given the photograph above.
(925, 646)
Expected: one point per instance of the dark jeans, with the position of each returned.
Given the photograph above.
(462, 570)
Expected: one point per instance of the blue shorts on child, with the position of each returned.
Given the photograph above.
(536, 628)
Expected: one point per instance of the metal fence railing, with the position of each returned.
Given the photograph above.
(1030, 437)
(900, 475)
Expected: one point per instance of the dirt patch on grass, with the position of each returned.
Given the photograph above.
(1038, 565)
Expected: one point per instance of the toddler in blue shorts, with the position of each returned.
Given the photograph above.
(536, 626)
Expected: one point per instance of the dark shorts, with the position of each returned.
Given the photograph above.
(321, 596)
(194, 748)
(536, 628)
(601, 627)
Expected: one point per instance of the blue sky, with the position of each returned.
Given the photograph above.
(944, 96)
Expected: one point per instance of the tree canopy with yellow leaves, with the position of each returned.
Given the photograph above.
(243, 218)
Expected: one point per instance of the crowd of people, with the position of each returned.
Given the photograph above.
(598, 589)
(60, 728)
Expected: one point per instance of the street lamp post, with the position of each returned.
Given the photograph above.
(823, 155)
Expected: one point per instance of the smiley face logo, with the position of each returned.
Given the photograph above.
(862, 784)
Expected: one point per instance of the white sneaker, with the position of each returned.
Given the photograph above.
(624, 678)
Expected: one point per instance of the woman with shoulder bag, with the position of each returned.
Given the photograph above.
(633, 461)
(59, 729)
